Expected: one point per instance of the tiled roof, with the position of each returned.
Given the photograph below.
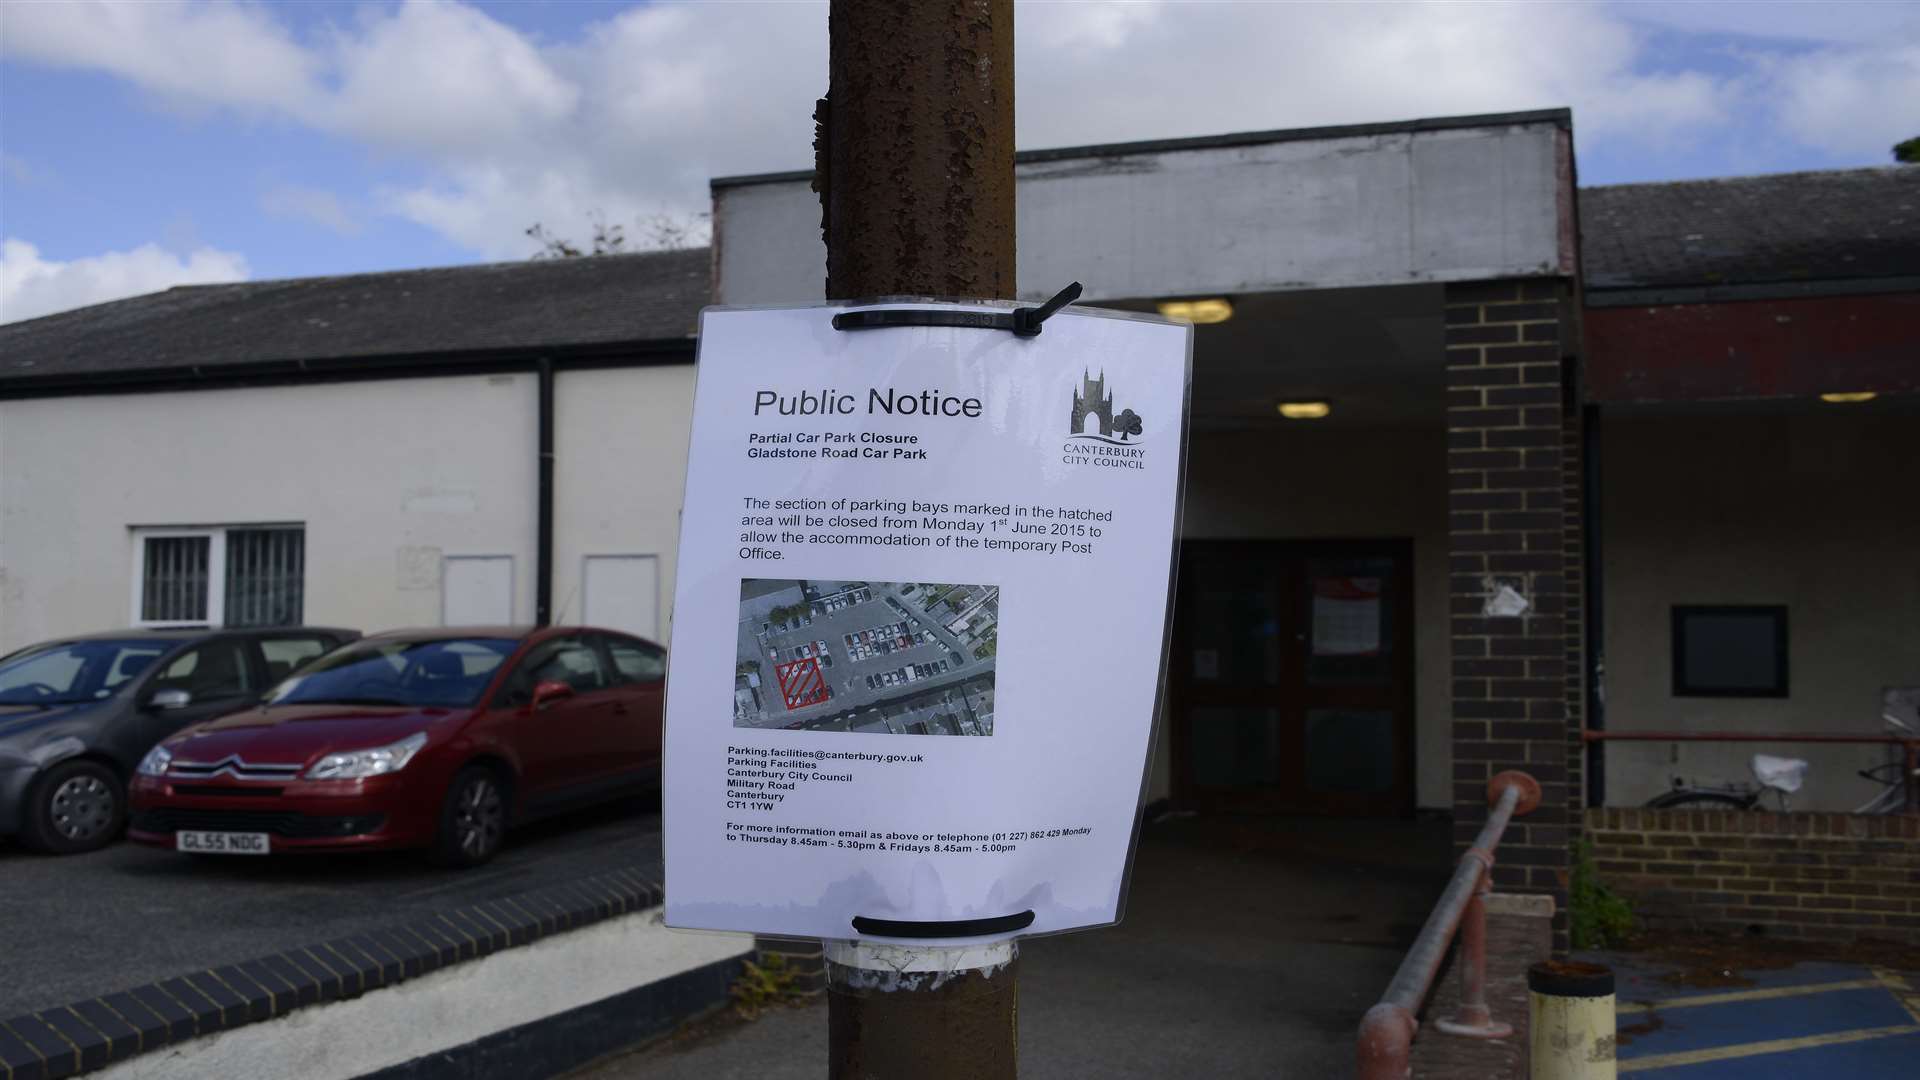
(1789, 227)
(460, 310)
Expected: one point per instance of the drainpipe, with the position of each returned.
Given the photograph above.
(1594, 586)
(543, 545)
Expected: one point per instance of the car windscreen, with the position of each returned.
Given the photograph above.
(74, 671)
(448, 672)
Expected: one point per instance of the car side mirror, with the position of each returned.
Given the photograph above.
(169, 698)
(546, 693)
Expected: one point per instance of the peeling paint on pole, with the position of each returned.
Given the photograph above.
(902, 1011)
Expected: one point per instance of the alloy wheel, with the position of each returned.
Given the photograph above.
(82, 807)
(478, 816)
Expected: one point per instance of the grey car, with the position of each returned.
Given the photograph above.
(78, 713)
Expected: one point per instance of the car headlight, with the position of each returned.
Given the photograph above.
(156, 762)
(359, 764)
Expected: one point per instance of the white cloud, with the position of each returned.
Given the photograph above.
(1856, 22)
(31, 286)
(441, 79)
(630, 117)
(1184, 69)
(322, 208)
(219, 53)
(1850, 101)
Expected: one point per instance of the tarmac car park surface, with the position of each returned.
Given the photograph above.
(83, 925)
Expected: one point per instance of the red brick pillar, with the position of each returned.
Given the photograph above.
(1514, 542)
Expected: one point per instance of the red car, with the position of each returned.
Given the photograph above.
(423, 738)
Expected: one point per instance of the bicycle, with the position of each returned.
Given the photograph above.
(1784, 776)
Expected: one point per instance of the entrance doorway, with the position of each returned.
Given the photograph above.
(1292, 677)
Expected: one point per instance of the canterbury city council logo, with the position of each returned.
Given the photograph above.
(1096, 435)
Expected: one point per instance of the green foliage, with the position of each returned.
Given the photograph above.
(762, 986)
(788, 613)
(1908, 151)
(1598, 919)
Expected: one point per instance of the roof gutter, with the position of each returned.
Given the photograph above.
(648, 353)
(1604, 296)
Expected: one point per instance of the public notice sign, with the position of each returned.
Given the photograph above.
(919, 620)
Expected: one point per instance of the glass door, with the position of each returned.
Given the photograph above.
(1293, 677)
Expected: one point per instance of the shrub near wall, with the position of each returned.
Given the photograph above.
(1827, 876)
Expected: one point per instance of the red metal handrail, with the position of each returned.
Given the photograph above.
(1386, 1034)
(1910, 775)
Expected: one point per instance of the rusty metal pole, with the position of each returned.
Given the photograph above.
(914, 149)
(1473, 1018)
(913, 160)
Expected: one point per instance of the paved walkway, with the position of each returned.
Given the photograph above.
(1250, 949)
(1809, 1021)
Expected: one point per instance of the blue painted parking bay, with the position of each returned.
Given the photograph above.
(1817, 1021)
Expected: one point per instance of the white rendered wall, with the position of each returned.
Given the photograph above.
(387, 476)
(620, 469)
(1389, 209)
(1812, 511)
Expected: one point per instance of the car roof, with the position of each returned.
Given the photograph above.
(448, 633)
(194, 633)
(517, 632)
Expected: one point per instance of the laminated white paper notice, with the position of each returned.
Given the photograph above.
(920, 619)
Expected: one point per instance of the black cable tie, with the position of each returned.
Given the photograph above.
(1023, 322)
(901, 928)
(1026, 320)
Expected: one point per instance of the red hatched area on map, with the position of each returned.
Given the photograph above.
(801, 683)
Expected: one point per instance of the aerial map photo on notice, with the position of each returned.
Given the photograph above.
(878, 657)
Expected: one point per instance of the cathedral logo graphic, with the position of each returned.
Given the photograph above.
(1098, 437)
(1093, 416)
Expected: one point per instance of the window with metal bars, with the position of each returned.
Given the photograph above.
(266, 576)
(174, 579)
(251, 575)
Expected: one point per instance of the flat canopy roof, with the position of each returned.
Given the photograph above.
(1560, 117)
(1462, 198)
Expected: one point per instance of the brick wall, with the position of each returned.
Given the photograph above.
(1824, 876)
(1513, 520)
(805, 959)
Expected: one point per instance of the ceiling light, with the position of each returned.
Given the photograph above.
(1305, 410)
(1216, 310)
(1850, 397)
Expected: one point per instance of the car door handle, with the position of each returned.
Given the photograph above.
(619, 708)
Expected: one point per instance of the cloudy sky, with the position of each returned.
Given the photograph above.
(149, 144)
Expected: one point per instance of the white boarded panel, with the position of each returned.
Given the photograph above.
(622, 593)
(476, 590)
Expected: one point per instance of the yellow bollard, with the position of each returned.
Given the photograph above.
(1570, 1016)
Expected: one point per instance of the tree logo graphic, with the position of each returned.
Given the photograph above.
(1093, 416)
